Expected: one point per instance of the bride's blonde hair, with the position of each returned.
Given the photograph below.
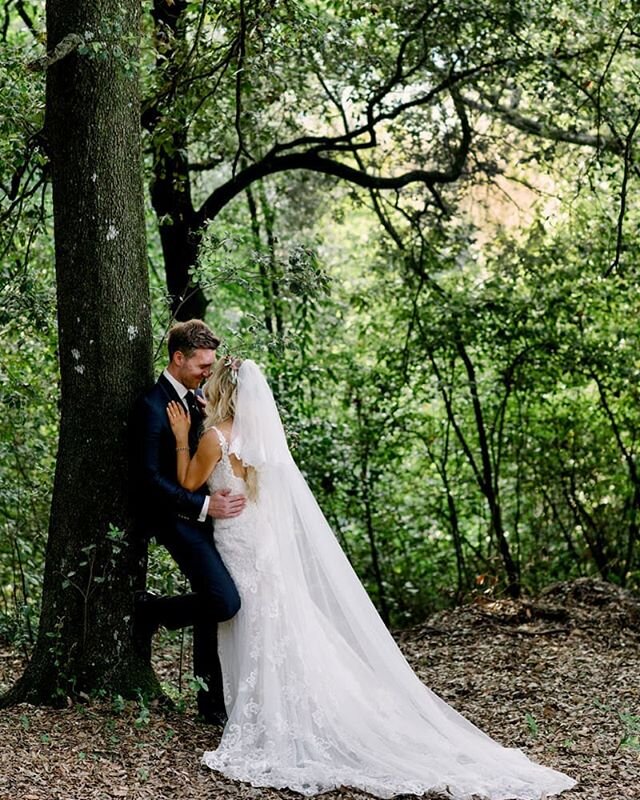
(220, 392)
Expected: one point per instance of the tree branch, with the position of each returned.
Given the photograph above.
(24, 16)
(205, 166)
(241, 149)
(623, 195)
(373, 193)
(346, 141)
(544, 131)
(64, 47)
(5, 22)
(315, 163)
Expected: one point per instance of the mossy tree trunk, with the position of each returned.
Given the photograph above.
(93, 134)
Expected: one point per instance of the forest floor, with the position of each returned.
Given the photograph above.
(558, 676)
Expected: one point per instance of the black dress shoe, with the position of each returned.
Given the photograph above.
(145, 622)
(216, 718)
(211, 708)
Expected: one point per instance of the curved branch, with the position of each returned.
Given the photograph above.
(346, 141)
(544, 131)
(315, 163)
(376, 200)
(65, 46)
(312, 160)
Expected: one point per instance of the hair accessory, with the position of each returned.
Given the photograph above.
(233, 364)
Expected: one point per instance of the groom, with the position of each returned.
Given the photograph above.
(181, 520)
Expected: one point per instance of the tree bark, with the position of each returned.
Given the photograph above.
(171, 198)
(170, 190)
(92, 565)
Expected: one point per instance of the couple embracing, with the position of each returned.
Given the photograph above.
(309, 686)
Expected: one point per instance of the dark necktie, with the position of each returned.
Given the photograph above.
(196, 420)
(193, 405)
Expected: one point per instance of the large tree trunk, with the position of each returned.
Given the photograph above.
(93, 131)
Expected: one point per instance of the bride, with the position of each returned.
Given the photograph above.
(317, 692)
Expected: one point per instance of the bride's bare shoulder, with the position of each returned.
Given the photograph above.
(209, 442)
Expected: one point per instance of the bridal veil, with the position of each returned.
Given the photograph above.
(333, 702)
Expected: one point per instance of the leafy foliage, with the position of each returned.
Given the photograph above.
(461, 391)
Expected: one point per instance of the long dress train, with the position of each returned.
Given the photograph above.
(317, 692)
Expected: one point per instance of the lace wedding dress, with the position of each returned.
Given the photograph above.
(317, 692)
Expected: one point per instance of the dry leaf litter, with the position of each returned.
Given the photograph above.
(558, 676)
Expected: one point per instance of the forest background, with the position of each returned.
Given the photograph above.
(419, 217)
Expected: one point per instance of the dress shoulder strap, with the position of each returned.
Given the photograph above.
(223, 442)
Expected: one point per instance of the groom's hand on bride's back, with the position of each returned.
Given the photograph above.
(223, 504)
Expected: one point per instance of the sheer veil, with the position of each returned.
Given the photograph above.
(379, 719)
(310, 557)
(257, 436)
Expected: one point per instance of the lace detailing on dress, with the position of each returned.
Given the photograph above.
(223, 469)
(317, 693)
(235, 545)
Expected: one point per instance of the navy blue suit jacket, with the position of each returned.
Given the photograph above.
(160, 503)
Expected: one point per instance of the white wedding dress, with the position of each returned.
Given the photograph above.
(317, 692)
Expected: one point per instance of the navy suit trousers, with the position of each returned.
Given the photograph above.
(213, 598)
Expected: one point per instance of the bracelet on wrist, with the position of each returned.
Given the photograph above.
(178, 449)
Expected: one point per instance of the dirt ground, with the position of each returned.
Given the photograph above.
(558, 676)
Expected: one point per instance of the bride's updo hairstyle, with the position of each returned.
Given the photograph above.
(220, 392)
